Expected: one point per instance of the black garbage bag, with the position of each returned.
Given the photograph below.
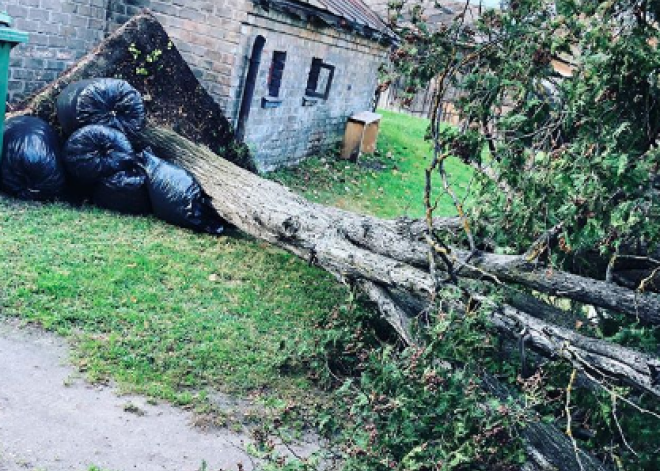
(31, 166)
(125, 192)
(96, 152)
(109, 102)
(177, 198)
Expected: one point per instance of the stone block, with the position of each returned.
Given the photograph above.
(32, 64)
(165, 8)
(38, 14)
(190, 14)
(68, 7)
(17, 11)
(15, 86)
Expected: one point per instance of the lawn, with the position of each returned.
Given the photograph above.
(162, 310)
(172, 314)
(389, 183)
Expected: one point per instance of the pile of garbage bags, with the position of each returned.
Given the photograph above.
(98, 159)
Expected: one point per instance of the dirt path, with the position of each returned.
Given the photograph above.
(49, 424)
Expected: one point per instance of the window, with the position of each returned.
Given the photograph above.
(276, 73)
(320, 79)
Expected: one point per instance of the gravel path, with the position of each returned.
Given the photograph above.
(49, 424)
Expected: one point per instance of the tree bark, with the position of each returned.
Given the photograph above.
(600, 357)
(506, 268)
(547, 448)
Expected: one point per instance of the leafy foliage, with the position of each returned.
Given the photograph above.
(421, 408)
(402, 408)
(559, 105)
(574, 148)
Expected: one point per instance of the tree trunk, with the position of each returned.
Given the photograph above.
(547, 448)
(383, 257)
(393, 253)
(600, 357)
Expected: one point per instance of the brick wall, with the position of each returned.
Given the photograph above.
(60, 33)
(287, 134)
(216, 37)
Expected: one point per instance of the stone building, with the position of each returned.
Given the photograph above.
(319, 62)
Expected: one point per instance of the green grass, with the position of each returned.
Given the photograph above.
(389, 183)
(162, 310)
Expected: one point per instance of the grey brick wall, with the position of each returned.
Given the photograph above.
(215, 38)
(60, 33)
(285, 135)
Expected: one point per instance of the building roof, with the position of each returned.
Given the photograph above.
(433, 12)
(351, 15)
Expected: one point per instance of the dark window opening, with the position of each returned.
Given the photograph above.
(320, 79)
(276, 73)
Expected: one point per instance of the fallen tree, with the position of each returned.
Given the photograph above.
(385, 259)
(326, 237)
(390, 260)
